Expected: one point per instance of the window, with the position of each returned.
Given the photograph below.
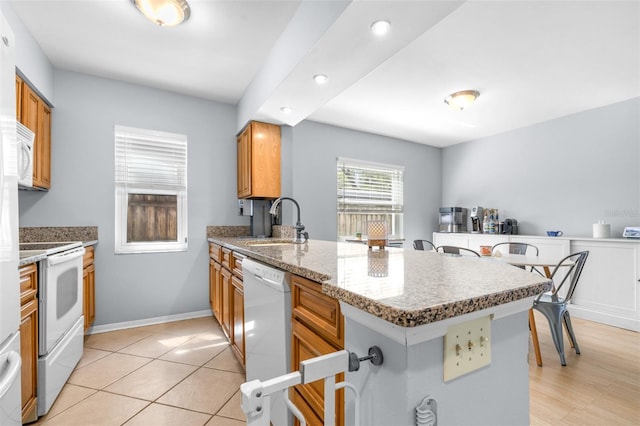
(151, 191)
(369, 191)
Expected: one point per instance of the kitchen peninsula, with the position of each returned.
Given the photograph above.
(404, 301)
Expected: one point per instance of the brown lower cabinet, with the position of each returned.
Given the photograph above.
(89, 287)
(237, 342)
(317, 328)
(226, 295)
(29, 340)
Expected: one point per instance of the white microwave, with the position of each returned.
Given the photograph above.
(25, 156)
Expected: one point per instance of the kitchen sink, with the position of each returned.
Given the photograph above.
(270, 243)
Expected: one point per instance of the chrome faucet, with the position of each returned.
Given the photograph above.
(299, 226)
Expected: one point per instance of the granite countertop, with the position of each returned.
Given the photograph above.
(405, 287)
(88, 235)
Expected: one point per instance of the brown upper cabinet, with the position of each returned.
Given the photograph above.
(259, 161)
(35, 114)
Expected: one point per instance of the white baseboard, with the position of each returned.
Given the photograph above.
(148, 321)
(632, 324)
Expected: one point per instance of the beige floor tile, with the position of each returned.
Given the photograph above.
(115, 340)
(191, 327)
(107, 370)
(100, 409)
(233, 409)
(227, 361)
(90, 355)
(223, 421)
(198, 350)
(163, 415)
(206, 390)
(155, 345)
(69, 396)
(152, 380)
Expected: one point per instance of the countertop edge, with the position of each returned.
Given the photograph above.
(396, 316)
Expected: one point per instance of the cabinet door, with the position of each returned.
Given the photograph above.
(89, 298)
(238, 319)
(306, 344)
(19, 84)
(30, 103)
(265, 160)
(43, 146)
(212, 285)
(29, 355)
(217, 291)
(227, 300)
(244, 163)
(608, 289)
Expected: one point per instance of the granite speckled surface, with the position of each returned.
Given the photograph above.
(403, 286)
(59, 233)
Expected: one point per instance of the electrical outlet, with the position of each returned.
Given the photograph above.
(467, 347)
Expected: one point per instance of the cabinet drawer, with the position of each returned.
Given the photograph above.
(215, 252)
(237, 263)
(88, 257)
(28, 282)
(318, 311)
(226, 258)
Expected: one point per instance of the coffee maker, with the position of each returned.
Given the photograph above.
(477, 214)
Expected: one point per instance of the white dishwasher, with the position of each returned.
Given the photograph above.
(267, 326)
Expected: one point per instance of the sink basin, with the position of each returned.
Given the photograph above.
(270, 243)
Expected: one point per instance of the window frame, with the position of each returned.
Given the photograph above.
(124, 187)
(396, 203)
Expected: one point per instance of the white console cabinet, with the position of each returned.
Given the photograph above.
(609, 288)
(548, 246)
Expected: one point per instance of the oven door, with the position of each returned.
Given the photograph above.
(60, 297)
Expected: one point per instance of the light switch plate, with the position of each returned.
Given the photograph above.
(467, 347)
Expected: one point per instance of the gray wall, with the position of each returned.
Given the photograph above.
(564, 174)
(133, 287)
(315, 150)
(32, 64)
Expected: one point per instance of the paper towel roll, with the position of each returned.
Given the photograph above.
(601, 230)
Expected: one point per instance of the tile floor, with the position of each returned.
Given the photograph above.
(179, 373)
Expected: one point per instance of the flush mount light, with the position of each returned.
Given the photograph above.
(461, 100)
(380, 28)
(166, 13)
(286, 109)
(320, 78)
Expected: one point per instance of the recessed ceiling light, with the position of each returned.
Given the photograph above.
(380, 28)
(461, 100)
(286, 109)
(320, 78)
(164, 12)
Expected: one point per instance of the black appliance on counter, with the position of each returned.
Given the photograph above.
(510, 226)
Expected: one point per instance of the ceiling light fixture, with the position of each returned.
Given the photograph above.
(286, 109)
(320, 78)
(166, 13)
(461, 100)
(380, 28)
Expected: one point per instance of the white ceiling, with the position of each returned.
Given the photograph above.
(532, 61)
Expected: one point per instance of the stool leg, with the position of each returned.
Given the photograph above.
(534, 337)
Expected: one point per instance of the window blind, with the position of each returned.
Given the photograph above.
(365, 187)
(150, 159)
